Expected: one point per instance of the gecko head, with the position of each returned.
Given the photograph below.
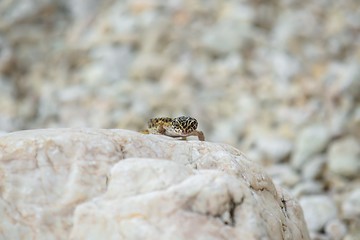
(184, 124)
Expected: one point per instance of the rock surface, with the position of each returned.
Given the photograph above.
(119, 184)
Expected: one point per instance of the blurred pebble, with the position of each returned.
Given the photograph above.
(310, 141)
(307, 188)
(6, 57)
(283, 174)
(353, 230)
(338, 122)
(223, 38)
(22, 9)
(318, 210)
(335, 229)
(351, 205)
(313, 168)
(226, 132)
(255, 156)
(344, 157)
(348, 75)
(148, 66)
(275, 148)
(319, 236)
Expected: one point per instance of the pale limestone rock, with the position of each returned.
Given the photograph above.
(118, 184)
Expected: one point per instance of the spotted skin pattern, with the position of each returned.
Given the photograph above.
(174, 127)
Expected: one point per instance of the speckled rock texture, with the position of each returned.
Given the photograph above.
(119, 184)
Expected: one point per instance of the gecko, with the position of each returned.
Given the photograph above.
(174, 127)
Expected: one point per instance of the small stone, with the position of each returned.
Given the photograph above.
(336, 229)
(223, 132)
(353, 231)
(311, 141)
(352, 81)
(283, 175)
(307, 188)
(148, 66)
(284, 65)
(223, 38)
(354, 123)
(255, 156)
(318, 236)
(6, 58)
(351, 205)
(318, 210)
(338, 122)
(313, 168)
(344, 157)
(275, 148)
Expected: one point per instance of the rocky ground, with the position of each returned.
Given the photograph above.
(121, 184)
(277, 79)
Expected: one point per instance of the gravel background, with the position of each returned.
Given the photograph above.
(279, 80)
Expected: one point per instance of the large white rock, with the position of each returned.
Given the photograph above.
(118, 184)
